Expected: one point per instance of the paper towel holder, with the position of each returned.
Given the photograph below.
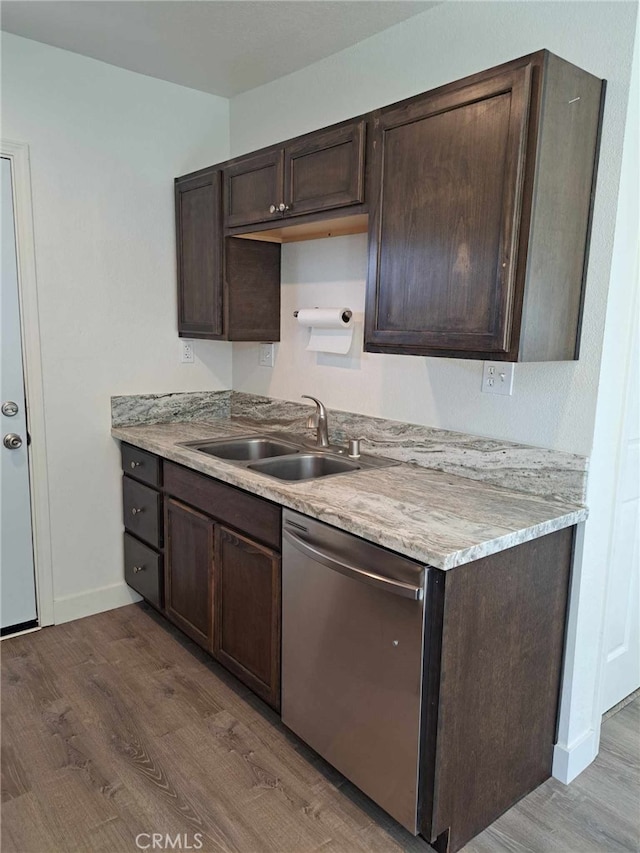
(346, 315)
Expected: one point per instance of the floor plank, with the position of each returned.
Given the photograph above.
(117, 725)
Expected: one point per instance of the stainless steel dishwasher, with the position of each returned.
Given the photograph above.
(353, 621)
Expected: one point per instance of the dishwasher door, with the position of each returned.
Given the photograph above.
(352, 649)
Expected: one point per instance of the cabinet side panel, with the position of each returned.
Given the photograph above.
(566, 164)
(199, 250)
(252, 273)
(503, 638)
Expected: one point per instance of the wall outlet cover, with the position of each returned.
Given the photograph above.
(186, 351)
(497, 377)
(266, 357)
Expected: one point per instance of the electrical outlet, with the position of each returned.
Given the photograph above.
(497, 377)
(267, 356)
(186, 351)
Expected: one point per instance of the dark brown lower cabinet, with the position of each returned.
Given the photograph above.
(493, 665)
(247, 612)
(493, 642)
(222, 575)
(189, 571)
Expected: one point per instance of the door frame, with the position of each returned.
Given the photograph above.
(18, 154)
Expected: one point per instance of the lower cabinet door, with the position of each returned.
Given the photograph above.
(247, 620)
(189, 571)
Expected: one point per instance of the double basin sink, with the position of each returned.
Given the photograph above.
(284, 459)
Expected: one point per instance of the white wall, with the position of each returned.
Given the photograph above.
(105, 145)
(554, 405)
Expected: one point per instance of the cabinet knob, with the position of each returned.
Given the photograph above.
(136, 510)
(282, 207)
(137, 569)
(272, 208)
(135, 464)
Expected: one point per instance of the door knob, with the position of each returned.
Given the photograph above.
(12, 441)
(9, 408)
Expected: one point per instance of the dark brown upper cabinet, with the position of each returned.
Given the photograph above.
(253, 189)
(319, 172)
(325, 170)
(200, 254)
(479, 221)
(228, 289)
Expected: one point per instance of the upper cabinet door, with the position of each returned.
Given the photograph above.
(325, 170)
(444, 225)
(253, 189)
(198, 224)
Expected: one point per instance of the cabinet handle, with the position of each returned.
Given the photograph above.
(282, 207)
(136, 510)
(136, 464)
(137, 569)
(272, 208)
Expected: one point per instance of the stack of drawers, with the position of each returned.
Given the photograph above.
(142, 514)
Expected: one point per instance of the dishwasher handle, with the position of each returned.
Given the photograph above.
(332, 562)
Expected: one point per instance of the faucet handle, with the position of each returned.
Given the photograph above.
(354, 447)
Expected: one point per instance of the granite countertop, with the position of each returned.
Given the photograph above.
(436, 518)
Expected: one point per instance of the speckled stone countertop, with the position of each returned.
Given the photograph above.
(439, 519)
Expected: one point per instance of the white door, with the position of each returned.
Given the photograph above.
(17, 580)
(621, 674)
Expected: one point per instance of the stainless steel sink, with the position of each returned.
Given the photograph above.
(276, 456)
(304, 466)
(245, 449)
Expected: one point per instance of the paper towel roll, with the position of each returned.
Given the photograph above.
(325, 318)
(331, 329)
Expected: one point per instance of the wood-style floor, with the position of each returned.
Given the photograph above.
(116, 726)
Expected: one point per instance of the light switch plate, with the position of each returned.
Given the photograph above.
(267, 355)
(497, 377)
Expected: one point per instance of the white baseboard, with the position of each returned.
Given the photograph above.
(569, 762)
(93, 601)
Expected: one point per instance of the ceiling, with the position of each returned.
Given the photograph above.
(219, 46)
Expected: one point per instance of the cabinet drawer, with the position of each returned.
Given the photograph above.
(142, 511)
(143, 571)
(253, 516)
(141, 465)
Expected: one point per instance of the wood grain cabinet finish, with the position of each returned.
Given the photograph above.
(189, 571)
(252, 186)
(228, 289)
(143, 523)
(143, 570)
(312, 174)
(479, 220)
(141, 465)
(491, 695)
(142, 511)
(247, 612)
(325, 170)
(200, 254)
(222, 574)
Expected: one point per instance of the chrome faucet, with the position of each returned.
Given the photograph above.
(319, 421)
